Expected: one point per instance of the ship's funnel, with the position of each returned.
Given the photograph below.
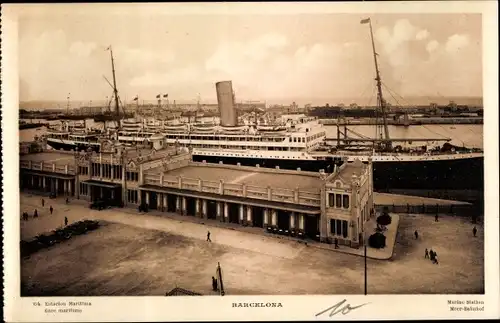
(225, 100)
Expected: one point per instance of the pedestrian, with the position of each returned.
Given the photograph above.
(67, 200)
(43, 202)
(436, 260)
(208, 236)
(65, 221)
(436, 218)
(416, 234)
(431, 255)
(51, 209)
(336, 243)
(35, 214)
(426, 253)
(474, 231)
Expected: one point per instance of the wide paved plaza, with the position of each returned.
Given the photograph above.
(145, 254)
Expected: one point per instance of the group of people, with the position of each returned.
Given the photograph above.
(25, 215)
(432, 255)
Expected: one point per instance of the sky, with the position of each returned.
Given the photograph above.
(273, 58)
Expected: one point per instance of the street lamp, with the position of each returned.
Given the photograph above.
(365, 242)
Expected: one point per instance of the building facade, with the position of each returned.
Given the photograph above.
(331, 208)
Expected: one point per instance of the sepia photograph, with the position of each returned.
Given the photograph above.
(249, 154)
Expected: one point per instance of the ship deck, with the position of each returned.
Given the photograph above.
(50, 157)
(256, 178)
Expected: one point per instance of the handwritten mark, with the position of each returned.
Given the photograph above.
(338, 308)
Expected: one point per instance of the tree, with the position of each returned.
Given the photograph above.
(377, 240)
(384, 219)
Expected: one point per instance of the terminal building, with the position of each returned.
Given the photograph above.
(320, 206)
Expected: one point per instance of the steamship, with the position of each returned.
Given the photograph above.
(73, 137)
(438, 169)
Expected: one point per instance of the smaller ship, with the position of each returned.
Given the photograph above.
(73, 137)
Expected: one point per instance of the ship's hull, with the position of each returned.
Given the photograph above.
(446, 178)
(58, 145)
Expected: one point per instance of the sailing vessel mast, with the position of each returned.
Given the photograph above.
(380, 99)
(115, 90)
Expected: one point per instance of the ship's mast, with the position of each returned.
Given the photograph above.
(67, 104)
(115, 90)
(198, 108)
(380, 99)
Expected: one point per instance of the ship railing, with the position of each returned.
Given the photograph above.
(47, 167)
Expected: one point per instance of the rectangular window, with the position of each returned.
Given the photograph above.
(338, 200)
(332, 226)
(344, 229)
(331, 199)
(345, 201)
(339, 227)
(132, 196)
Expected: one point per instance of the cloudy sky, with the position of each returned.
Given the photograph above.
(277, 58)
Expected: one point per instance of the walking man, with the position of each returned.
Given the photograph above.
(208, 237)
(431, 255)
(416, 234)
(436, 218)
(43, 202)
(35, 214)
(426, 253)
(65, 221)
(51, 209)
(474, 231)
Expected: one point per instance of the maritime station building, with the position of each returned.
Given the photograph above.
(311, 205)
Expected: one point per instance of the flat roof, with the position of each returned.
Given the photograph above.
(49, 157)
(249, 177)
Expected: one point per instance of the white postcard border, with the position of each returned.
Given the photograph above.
(222, 308)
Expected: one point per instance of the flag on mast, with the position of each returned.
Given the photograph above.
(158, 96)
(165, 95)
(365, 21)
(136, 98)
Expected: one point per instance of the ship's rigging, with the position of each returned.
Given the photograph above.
(382, 129)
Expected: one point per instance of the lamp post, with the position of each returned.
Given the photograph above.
(366, 271)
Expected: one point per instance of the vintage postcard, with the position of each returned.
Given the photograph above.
(250, 161)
